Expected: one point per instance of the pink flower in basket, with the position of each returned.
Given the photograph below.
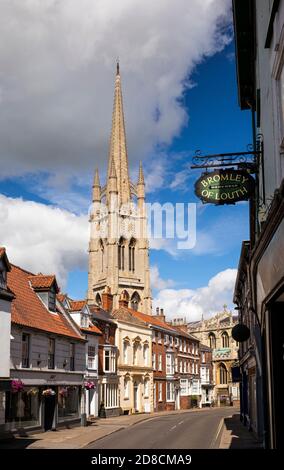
(89, 385)
(17, 386)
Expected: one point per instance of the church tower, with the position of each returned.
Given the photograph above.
(119, 247)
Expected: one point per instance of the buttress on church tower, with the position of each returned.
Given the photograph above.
(119, 247)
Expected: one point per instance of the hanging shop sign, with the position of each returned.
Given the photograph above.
(224, 186)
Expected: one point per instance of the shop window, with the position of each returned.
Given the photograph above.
(68, 402)
(22, 408)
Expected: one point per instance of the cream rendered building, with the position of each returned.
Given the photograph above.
(216, 332)
(119, 249)
(134, 342)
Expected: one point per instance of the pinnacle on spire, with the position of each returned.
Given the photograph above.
(117, 66)
(118, 148)
(96, 187)
(112, 179)
(96, 178)
(141, 174)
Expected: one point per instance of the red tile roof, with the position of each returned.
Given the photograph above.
(77, 305)
(92, 329)
(61, 297)
(40, 281)
(28, 310)
(151, 320)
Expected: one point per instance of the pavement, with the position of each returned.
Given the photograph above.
(78, 437)
(236, 436)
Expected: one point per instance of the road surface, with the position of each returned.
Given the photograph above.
(187, 430)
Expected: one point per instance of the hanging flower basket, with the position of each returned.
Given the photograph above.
(63, 391)
(32, 391)
(17, 386)
(89, 385)
(48, 392)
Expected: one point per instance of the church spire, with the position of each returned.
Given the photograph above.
(117, 148)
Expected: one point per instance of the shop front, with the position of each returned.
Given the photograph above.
(35, 402)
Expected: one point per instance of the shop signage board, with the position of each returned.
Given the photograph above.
(225, 186)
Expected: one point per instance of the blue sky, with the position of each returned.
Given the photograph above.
(63, 121)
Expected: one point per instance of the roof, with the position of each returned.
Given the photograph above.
(28, 310)
(123, 314)
(185, 333)
(61, 297)
(150, 319)
(92, 329)
(98, 313)
(41, 281)
(77, 305)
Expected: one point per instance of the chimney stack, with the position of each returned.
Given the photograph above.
(123, 301)
(107, 300)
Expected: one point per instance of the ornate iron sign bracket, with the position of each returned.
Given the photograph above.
(247, 160)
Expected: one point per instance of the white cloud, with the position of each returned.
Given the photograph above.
(57, 76)
(43, 238)
(157, 282)
(193, 303)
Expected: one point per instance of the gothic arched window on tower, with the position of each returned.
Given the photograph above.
(225, 340)
(102, 255)
(212, 339)
(135, 299)
(131, 255)
(121, 249)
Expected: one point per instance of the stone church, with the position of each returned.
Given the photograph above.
(119, 247)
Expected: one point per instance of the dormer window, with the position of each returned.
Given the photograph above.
(46, 289)
(84, 321)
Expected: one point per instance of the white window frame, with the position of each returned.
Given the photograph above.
(146, 387)
(160, 362)
(126, 388)
(154, 361)
(170, 391)
(112, 360)
(92, 357)
(160, 391)
(146, 354)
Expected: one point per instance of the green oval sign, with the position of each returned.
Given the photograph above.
(224, 186)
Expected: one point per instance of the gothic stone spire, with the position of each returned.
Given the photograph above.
(117, 148)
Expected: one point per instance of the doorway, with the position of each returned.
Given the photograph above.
(49, 411)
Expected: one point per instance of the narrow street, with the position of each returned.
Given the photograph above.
(188, 430)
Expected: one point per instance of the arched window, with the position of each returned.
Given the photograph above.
(126, 346)
(131, 255)
(146, 354)
(102, 255)
(212, 339)
(98, 300)
(121, 249)
(136, 348)
(225, 340)
(223, 374)
(135, 299)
